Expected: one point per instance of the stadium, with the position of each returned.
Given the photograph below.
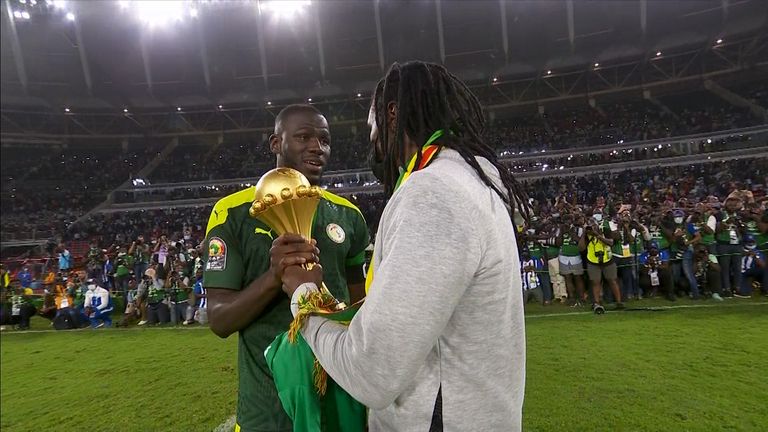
(637, 132)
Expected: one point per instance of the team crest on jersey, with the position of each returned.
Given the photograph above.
(217, 254)
(335, 233)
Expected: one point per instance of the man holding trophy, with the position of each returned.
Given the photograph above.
(246, 258)
(439, 343)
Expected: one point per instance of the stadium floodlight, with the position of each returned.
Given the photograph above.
(359, 95)
(719, 41)
(495, 79)
(309, 99)
(125, 110)
(221, 106)
(193, 12)
(23, 1)
(25, 15)
(159, 12)
(284, 8)
(59, 4)
(549, 72)
(66, 110)
(33, 2)
(17, 14)
(269, 103)
(70, 16)
(178, 108)
(597, 64)
(658, 53)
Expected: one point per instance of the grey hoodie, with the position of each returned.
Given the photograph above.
(444, 312)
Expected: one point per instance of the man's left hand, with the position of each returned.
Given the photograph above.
(295, 275)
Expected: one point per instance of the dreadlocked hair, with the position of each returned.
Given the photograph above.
(429, 98)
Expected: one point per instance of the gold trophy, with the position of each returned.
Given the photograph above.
(287, 203)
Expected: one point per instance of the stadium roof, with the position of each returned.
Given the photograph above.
(98, 55)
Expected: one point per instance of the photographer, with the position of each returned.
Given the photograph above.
(157, 311)
(21, 306)
(140, 299)
(597, 240)
(627, 247)
(177, 287)
(707, 271)
(705, 222)
(122, 274)
(529, 266)
(756, 225)
(729, 234)
(655, 274)
(569, 260)
(534, 246)
(753, 267)
(98, 305)
(684, 237)
(139, 250)
(198, 303)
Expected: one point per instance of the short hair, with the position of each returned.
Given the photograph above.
(292, 110)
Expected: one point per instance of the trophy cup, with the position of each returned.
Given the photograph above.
(286, 202)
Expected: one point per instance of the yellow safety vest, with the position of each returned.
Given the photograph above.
(594, 248)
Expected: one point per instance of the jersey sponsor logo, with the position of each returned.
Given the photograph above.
(335, 233)
(265, 232)
(217, 255)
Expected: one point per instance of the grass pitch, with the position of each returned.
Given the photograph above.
(684, 369)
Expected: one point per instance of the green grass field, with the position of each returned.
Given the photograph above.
(682, 369)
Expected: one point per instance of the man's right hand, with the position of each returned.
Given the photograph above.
(288, 250)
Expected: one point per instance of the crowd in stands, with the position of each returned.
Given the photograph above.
(46, 191)
(557, 128)
(675, 232)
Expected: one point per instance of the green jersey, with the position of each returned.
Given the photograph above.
(570, 246)
(155, 294)
(629, 243)
(535, 249)
(753, 230)
(658, 236)
(237, 253)
(178, 294)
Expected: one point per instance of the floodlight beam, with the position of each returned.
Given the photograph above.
(18, 55)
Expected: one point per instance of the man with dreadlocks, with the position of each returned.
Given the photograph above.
(439, 343)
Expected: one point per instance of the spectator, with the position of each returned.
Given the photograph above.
(65, 258)
(753, 268)
(25, 278)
